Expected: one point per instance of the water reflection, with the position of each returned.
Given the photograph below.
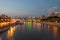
(29, 26)
(52, 30)
(34, 25)
(55, 32)
(38, 26)
(48, 27)
(0, 38)
(10, 33)
(37, 30)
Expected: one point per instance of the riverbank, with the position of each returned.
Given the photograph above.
(52, 23)
(2, 24)
(5, 25)
(4, 28)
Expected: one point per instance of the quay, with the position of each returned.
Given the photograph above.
(51, 23)
(5, 25)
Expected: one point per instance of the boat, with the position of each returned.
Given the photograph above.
(19, 22)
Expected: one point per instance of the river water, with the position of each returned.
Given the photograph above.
(31, 31)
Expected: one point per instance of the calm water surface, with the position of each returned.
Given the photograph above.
(31, 31)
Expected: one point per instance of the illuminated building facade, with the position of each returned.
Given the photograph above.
(4, 18)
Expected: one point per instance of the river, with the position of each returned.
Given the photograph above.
(31, 31)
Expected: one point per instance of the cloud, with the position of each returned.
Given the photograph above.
(52, 9)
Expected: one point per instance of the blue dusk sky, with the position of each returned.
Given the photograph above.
(28, 7)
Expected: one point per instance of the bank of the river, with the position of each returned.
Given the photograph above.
(5, 25)
(52, 23)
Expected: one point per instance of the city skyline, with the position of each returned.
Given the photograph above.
(28, 7)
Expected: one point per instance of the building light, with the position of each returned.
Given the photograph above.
(5, 19)
(56, 21)
(49, 15)
(55, 12)
(33, 17)
(30, 17)
(1, 19)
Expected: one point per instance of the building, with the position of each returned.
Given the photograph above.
(54, 14)
(4, 18)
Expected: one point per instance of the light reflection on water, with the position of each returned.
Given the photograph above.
(29, 26)
(10, 32)
(55, 32)
(38, 27)
(44, 30)
(0, 38)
